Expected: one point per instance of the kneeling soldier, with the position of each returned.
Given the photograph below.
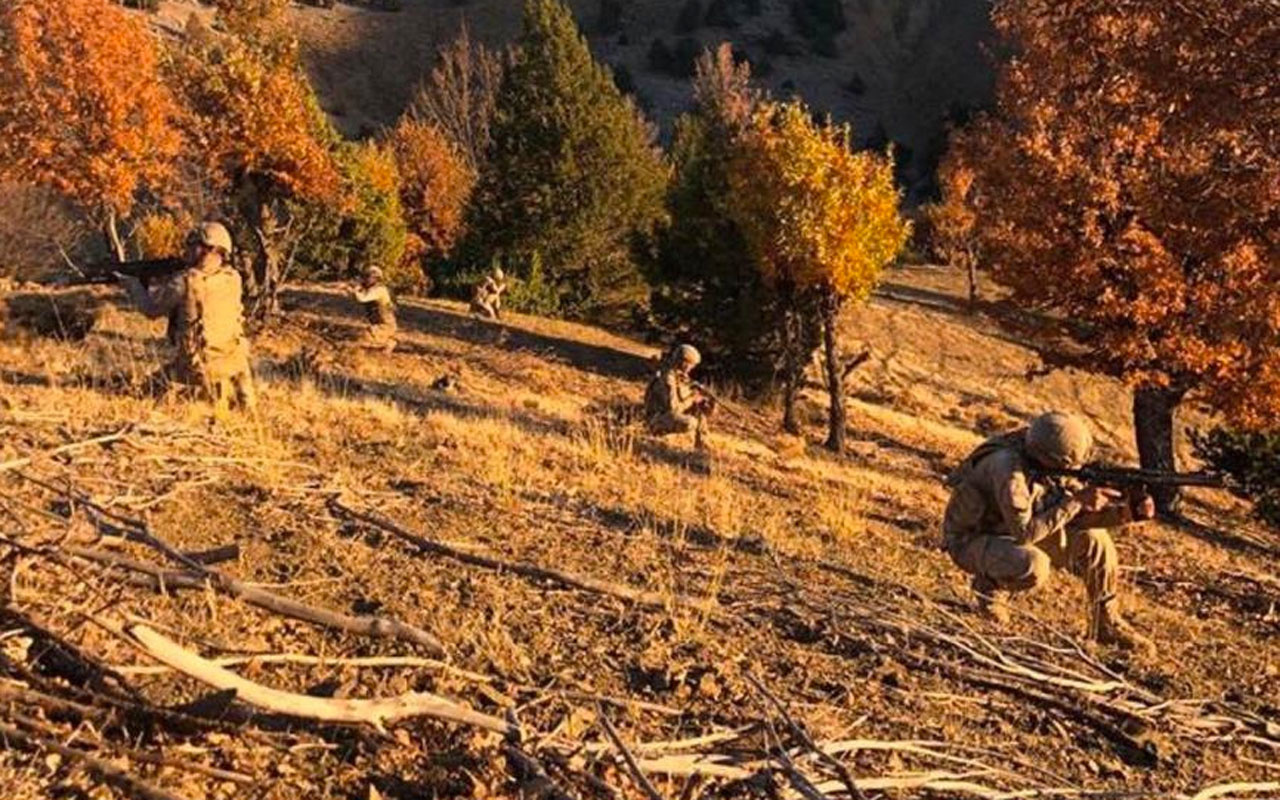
(206, 319)
(1009, 526)
(672, 402)
(380, 312)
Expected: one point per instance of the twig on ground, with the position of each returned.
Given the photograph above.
(842, 772)
(161, 579)
(18, 463)
(524, 569)
(105, 770)
(630, 760)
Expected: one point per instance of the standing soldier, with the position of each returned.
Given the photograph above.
(672, 402)
(374, 296)
(487, 300)
(1008, 525)
(206, 320)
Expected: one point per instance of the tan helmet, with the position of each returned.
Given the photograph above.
(1058, 439)
(688, 355)
(215, 235)
(498, 274)
(373, 273)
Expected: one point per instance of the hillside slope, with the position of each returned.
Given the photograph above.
(899, 70)
(688, 594)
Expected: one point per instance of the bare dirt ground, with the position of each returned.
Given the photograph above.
(581, 577)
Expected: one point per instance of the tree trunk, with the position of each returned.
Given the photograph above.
(791, 374)
(972, 268)
(112, 232)
(835, 375)
(1153, 417)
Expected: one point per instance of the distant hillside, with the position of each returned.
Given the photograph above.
(898, 69)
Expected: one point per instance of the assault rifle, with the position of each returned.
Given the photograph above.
(1128, 477)
(147, 270)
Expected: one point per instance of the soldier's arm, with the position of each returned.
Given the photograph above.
(1022, 521)
(157, 302)
(372, 294)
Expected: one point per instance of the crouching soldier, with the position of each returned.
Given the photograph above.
(487, 299)
(1009, 525)
(673, 403)
(206, 320)
(380, 312)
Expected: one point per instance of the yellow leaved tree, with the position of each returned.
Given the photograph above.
(820, 222)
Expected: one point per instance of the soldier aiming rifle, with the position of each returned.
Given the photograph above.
(1024, 505)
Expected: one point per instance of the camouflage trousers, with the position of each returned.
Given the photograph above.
(1089, 554)
(489, 308)
(379, 337)
(225, 379)
(672, 423)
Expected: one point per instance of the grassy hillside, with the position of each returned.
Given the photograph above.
(690, 594)
(896, 71)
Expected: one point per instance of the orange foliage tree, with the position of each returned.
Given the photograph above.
(259, 134)
(81, 107)
(1129, 181)
(952, 222)
(821, 222)
(435, 184)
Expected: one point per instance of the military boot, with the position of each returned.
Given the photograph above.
(1108, 627)
(993, 602)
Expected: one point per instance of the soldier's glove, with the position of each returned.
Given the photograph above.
(1142, 506)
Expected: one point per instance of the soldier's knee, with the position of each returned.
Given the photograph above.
(1037, 569)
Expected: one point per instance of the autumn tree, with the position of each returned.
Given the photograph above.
(459, 96)
(82, 109)
(1127, 184)
(821, 222)
(706, 288)
(259, 134)
(435, 184)
(571, 175)
(952, 222)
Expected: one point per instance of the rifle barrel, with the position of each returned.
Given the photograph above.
(1124, 476)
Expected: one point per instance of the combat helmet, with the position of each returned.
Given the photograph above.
(687, 354)
(1061, 440)
(215, 235)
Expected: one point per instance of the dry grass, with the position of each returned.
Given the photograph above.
(522, 464)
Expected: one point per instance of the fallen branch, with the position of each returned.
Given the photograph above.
(630, 760)
(842, 772)
(107, 771)
(375, 713)
(308, 660)
(524, 569)
(1234, 788)
(153, 758)
(19, 463)
(162, 579)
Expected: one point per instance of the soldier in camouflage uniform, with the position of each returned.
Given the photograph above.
(206, 320)
(1009, 526)
(487, 300)
(380, 312)
(672, 402)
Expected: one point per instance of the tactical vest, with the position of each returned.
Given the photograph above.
(380, 312)
(1012, 439)
(214, 329)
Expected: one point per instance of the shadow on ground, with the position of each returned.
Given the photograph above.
(606, 361)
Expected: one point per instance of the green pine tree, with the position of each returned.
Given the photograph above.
(707, 289)
(572, 173)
